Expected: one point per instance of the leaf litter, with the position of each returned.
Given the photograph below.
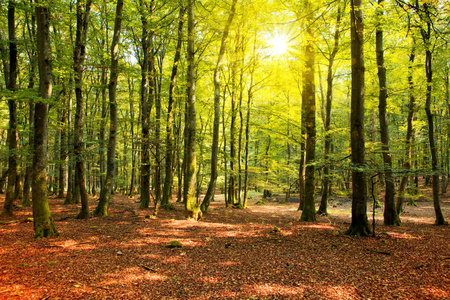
(262, 252)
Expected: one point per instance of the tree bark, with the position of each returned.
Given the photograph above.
(390, 213)
(168, 180)
(360, 224)
(145, 117)
(309, 97)
(192, 207)
(409, 133)
(426, 35)
(79, 55)
(7, 210)
(42, 219)
(105, 194)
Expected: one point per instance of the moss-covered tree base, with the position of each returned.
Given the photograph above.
(83, 215)
(101, 211)
(322, 211)
(46, 229)
(440, 222)
(359, 229)
(194, 213)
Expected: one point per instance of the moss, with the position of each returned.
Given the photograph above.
(174, 244)
(260, 202)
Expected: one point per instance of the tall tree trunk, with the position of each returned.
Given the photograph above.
(426, 35)
(329, 100)
(105, 194)
(360, 224)
(5, 61)
(145, 114)
(409, 133)
(70, 148)
(192, 207)
(168, 179)
(157, 98)
(390, 213)
(31, 26)
(215, 142)
(42, 219)
(79, 55)
(12, 130)
(247, 138)
(133, 140)
(309, 96)
(232, 183)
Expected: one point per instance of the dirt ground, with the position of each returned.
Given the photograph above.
(262, 252)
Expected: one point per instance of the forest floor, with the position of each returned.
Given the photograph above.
(262, 252)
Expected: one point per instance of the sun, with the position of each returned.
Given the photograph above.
(278, 44)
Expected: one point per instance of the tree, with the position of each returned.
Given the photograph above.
(309, 98)
(170, 154)
(426, 36)
(360, 223)
(79, 56)
(11, 82)
(390, 213)
(409, 131)
(105, 194)
(145, 106)
(42, 220)
(215, 143)
(192, 207)
(327, 122)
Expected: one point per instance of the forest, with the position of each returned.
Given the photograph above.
(173, 132)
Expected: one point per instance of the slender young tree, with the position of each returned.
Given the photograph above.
(215, 142)
(390, 213)
(79, 55)
(426, 36)
(12, 105)
(42, 219)
(360, 224)
(105, 194)
(168, 179)
(409, 131)
(329, 100)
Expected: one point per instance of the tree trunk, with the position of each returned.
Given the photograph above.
(79, 55)
(328, 139)
(215, 142)
(70, 149)
(168, 179)
(390, 213)
(43, 222)
(309, 97)
(409, 133)
(31, 82)
(192, 207)
(12, 105)
(105, 194)
(360, 224)
(426, 35)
